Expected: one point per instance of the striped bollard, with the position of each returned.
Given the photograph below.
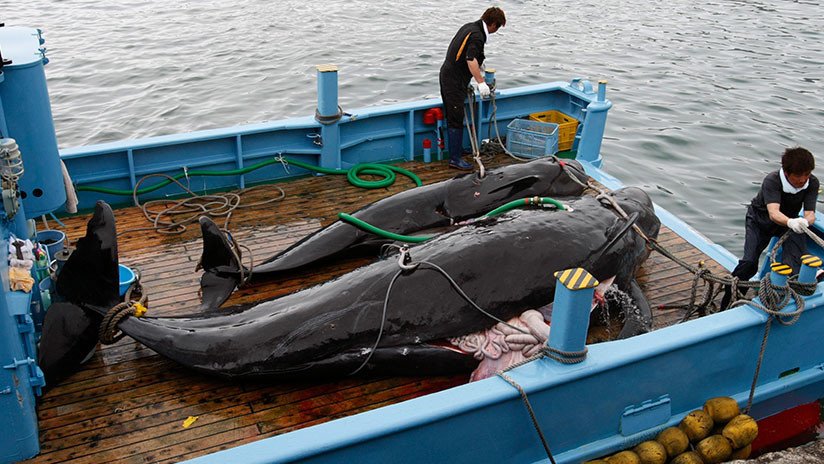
(809, 267)
(779, 273)
(574, 289)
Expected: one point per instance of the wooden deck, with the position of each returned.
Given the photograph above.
(128, 404)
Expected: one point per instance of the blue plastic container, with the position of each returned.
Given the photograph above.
(532, 139)
(53, 240)
(127, 277)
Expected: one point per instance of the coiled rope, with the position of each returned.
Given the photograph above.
(167, 219)
(700, 272)
(108, 332)
(330, 119)
(773, 298)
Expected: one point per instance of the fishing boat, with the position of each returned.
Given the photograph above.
(126, 403)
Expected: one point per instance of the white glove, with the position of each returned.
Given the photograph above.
(483, 88)
(797, 225)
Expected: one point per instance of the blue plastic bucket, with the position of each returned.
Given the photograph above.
(126, 278)
(51, 239)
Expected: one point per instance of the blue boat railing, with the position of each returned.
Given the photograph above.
(364, 135)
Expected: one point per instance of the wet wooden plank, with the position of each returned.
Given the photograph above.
(128, 404)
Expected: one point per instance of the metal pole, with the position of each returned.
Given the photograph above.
(570, 313)
(326, 115)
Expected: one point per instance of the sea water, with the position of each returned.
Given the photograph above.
(707, 94)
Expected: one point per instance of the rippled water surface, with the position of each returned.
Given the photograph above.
(707, 93)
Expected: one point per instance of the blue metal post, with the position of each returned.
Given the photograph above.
(489, 76)
(589, 149)
(327, 112)
(28, 119)
(570, 313)
(4, 130)
(779, 273)
(809, 267)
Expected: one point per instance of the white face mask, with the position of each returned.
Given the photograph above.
(787, 187)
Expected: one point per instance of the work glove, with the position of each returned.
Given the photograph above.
(797, 225)
(483, 88)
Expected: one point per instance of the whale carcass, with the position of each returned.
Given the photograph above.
(394, 315)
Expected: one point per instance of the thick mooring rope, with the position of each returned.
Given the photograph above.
(108, 332)
(774, 298)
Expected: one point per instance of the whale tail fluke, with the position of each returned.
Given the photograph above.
(90, 275)
(87, 286)
(221, 265)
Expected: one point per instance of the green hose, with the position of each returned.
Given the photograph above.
(524, 202)
(387, 171)
(422, 238)
(382, 233)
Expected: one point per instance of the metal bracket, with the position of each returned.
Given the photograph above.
(316, 139)
(648, 414)
(18, 362)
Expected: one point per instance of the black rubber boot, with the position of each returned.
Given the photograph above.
(455, 146)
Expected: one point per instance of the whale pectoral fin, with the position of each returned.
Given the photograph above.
(639, 322)
(222, 270)
(90, 275)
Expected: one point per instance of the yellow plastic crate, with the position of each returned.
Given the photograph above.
(567, 126)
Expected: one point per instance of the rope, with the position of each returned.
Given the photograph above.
(406, 264)
(531, 411)
(700, 273)
(473, 135)
(774, 298)
(109, 332)
(758, 364)
(498, 134)
(331, 118)
(566, 357)
(166, 220)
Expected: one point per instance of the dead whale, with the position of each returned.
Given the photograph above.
(394, 315)
(436, 205)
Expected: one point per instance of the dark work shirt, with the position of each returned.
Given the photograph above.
(790, 203)
(468, 44)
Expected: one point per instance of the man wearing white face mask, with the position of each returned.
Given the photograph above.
(776, 207)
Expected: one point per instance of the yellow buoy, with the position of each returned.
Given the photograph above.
(690, 457)
(714, 449)
(675, 441)
(722, 409)
(741, 453)
(651, 452)
(697, 425)
(624, 457)
(741, 430)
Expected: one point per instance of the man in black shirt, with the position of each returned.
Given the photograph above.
(775, 209)
(464, 59)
